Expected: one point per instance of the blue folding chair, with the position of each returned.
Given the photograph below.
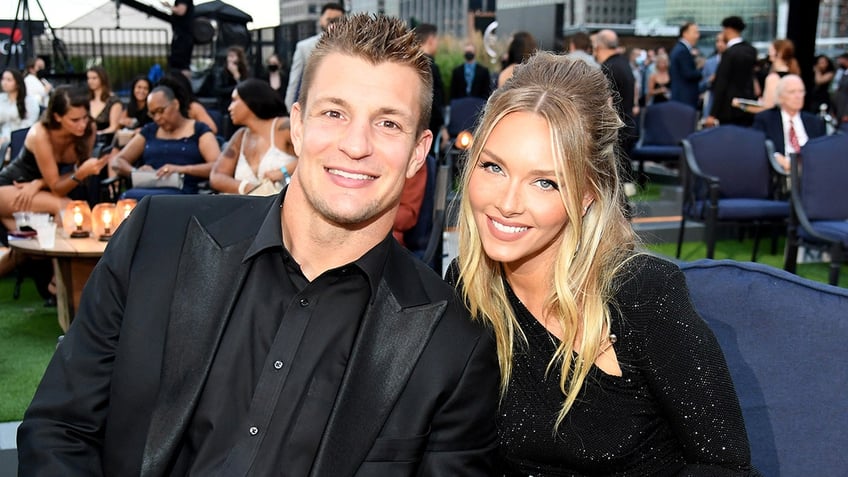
(663, 126)
(820, 202)
(728, 179)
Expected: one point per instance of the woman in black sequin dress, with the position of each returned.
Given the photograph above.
(607, 369)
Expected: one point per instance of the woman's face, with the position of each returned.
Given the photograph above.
(232, 58)
(165, 113)
(7, 82)
(821, 63)
(93, 80)
(75, 121)
(238, 109)
(514, 194)
(772, 53)
(141, 90)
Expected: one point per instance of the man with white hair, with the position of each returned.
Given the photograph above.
(616, 67)
(786, 124)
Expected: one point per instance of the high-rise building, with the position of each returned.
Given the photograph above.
(667, 15)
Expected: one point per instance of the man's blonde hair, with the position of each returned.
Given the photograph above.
(376, 39)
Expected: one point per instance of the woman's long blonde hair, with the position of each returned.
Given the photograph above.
(575, 100)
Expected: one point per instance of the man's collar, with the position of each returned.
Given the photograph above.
(734, 41)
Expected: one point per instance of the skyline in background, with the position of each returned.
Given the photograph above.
(265, 13)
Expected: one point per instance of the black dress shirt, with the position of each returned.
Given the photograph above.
(275, 377)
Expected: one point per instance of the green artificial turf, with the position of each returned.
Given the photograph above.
(28, 333)
(740, 250)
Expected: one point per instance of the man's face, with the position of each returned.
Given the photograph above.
(329, 16)
(792, 95)
(692, 34)
(720, 43)
(357, 139)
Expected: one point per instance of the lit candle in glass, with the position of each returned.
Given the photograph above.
(107, 224)
(78, 220)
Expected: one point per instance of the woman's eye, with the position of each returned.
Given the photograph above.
(491, 167)
(546, 184)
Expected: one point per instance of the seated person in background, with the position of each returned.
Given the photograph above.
(135, 115)
(195, 110)
(54, 160)
(105, 107)
(606, 367)
(171, 144)
(410, 204)
(17, 108)
(787, 125)
(260, 156)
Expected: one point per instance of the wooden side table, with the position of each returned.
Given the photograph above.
(73, 261)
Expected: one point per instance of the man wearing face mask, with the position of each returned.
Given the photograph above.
(470, 78)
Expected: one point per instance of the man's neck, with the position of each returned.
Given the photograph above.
(317, 244)
(604, 55)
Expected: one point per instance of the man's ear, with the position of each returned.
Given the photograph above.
(419, 153)
(296, 125)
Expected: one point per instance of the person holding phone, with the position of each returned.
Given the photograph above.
(55, 160)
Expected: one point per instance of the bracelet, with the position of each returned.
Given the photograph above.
(243, 186)
(75, 178)
(286, 175)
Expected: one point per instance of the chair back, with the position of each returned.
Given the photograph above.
(784, 341)
(737, 156)
(667, 123)
(823, 181)
(16, 141)
(464, 113)
(433, 253)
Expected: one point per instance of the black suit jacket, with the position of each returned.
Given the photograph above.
(481, 85)
(419, 395)
(771, 123)
(734, 79)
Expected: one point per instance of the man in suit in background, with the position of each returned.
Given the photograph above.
(734, 77)
(841, 96)
(330, 12)
(684, 74)
(428, 38)
(787, 125)
(238, 335)
(470, 78)
(616, 68)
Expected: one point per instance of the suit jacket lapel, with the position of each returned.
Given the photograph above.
(394, 332)
(199, 315)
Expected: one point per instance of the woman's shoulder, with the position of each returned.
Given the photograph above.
(644, 278)
(201, 128)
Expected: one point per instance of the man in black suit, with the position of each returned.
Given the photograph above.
(684, 74)
(470, 78)
(787, 125)
(616, 68)
(428, 38)
(841, 96)
(237, 335)
(734, 77)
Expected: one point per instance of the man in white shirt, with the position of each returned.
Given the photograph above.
(330, 12)
(37, 87)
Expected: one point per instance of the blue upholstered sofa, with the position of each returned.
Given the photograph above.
(786, 343)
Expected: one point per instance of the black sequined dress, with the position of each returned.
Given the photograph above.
(672, 412)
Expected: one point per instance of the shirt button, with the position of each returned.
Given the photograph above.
(304, 302)
(278, 364)
(253, 431)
